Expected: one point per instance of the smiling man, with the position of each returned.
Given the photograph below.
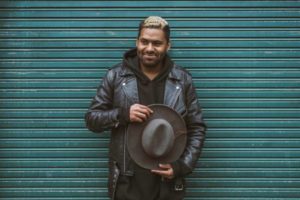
(146, 77)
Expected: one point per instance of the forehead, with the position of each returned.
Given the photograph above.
(152, 34)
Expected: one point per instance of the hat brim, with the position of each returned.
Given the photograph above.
(135, 130)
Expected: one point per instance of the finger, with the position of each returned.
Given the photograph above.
(163, 173)
(146, 113)
(146, 109)
(139, 111)
(134, 118)
(136, 115)
(136, 107)
(141, 115)
(160, 172)
(149, 110)
(165, 166)
(137, 120)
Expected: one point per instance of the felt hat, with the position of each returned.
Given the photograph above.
(160, 139)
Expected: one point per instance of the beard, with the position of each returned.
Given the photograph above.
(151, 61)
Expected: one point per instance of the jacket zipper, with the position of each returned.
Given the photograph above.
(124, 151)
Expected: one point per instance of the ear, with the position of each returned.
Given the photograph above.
(136, 42)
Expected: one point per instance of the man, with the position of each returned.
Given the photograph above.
(146, 76)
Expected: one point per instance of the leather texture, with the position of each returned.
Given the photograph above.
(118, 90)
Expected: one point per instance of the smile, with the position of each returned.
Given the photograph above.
(149, 56)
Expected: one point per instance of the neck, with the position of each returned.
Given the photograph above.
(151, 72)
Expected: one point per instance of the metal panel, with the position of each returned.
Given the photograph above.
(244, 57)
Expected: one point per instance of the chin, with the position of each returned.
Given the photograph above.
(150, 65)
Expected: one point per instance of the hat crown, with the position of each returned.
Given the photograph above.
(158, 138)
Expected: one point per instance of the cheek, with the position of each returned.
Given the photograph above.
(141, 49)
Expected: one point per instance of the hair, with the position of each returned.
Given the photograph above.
(157, 23)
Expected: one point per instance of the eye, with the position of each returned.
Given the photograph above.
(144, 42)
(158, 43)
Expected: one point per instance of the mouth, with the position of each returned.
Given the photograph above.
(149, 57)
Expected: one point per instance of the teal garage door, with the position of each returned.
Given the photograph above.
(245, 60)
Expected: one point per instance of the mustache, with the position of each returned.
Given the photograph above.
(150, 54)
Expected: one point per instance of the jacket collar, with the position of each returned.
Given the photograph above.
(173, 75)
(126, 71)
(172, 88)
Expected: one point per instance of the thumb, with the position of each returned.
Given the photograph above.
(165, 166)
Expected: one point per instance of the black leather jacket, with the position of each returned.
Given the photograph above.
(119, 90)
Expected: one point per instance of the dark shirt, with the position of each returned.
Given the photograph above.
(144, 184)
(150, 91)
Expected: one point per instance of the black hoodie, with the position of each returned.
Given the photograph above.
(150, 91)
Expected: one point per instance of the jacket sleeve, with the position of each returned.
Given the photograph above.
(195, 134)
(102, 115)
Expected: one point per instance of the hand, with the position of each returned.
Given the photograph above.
(139, 113)
(166, 171)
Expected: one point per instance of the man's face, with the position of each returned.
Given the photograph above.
(152, 47)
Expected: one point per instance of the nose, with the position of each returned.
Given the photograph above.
(149, 47)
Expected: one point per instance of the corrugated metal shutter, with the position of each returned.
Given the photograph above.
(244, 57)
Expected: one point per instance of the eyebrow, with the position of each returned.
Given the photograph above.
(155, 41)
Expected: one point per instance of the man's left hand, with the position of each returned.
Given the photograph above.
(166, 171)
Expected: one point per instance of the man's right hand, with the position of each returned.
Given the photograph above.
(139, 113)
